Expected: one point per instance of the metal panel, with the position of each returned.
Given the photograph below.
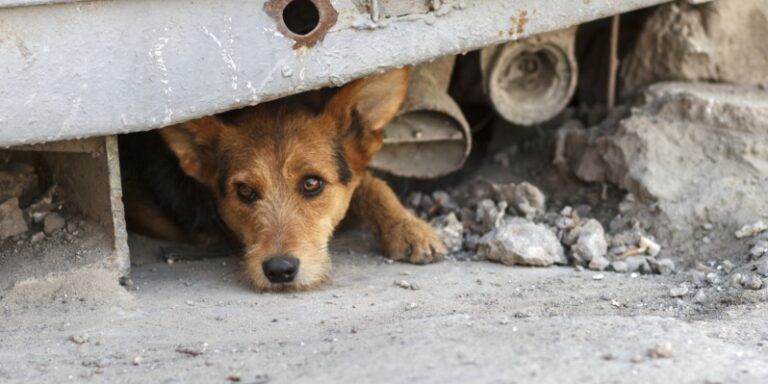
(79, 69)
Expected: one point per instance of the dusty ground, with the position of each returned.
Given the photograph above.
(467, 322)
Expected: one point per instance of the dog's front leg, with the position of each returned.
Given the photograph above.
(403, 236)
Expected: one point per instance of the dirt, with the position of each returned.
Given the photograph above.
(718, 41)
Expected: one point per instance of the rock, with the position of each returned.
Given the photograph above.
(599, 263)
(636, 263)
(660, 351)
(523, 199)
(688, 156)
(195, 349)
(762, 267)
(404, 284)
(751, 282)
(720, 41)
(444, 201)
(727, 266)
(751, 229)
(489, 215)
(53, 222)
(759, 249)
(519, 241)
(11, 219)
(18, 180)
(700, 297)
(662, 266)
(450, 230)
(678, 291)
(37, 237)
(591, 241)
(619, 266)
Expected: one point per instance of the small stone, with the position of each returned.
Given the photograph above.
(636, 263)
(490, 215)
(37, 237)
(727, 266)
(599, 263)
(53, 222)
(522, 242)
(599, 276)
(713, 278)
(11, 219)
(751, 282)
(406, 285)
(678, 291)
(660, 351)
(700, 297)
(234, 378)
(195, 349)
(410, 306)
(450, 230)
(662, 267)
(137, 360)
(636, 359)
(591, 241)
(759, 249)
(751, 229)
(619, 266)
(78, 339)
(762, 267)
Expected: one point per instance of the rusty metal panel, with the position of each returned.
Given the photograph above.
(84, 68)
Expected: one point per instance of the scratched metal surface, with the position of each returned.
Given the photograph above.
(84, 68)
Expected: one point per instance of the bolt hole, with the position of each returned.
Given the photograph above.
(301, 17)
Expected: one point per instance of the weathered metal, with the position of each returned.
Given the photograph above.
(530, 81)
(430, 137)
(76, 69)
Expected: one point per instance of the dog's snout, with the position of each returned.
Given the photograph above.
(281, 268)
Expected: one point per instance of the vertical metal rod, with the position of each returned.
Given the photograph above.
(613, 61)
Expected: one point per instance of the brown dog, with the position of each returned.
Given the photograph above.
(281, 177)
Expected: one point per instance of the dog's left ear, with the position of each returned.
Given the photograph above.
(364, 107)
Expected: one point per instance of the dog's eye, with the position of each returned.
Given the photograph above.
(245, 193)
(311, 186)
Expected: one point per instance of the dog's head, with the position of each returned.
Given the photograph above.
(283, 174)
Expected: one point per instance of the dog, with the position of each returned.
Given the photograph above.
(279, 177)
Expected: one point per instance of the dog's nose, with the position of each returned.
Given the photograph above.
(281, 269)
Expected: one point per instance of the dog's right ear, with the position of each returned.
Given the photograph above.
(195, 144)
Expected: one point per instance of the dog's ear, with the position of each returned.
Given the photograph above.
(195, 144)
(364, 107)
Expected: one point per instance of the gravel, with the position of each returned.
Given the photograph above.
(522, 242)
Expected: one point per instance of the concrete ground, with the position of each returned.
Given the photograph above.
(468, 322)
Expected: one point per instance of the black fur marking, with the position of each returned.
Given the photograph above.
(222, 171)
(342, 168)
(149, 164)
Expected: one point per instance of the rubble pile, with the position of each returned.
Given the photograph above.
(28, 215)
(510, 224)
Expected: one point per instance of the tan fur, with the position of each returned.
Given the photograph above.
(272, 149)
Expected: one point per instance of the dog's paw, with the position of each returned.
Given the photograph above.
(412, 240)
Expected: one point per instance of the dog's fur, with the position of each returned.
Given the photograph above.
(271, 149)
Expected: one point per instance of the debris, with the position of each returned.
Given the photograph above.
(662, 267)
(18, 180)
(619, 266)
(53, 222)
(195, 349)
(636, 263)
(406, 285)
(751, 281)
(78, 339)
(490, 215)
(11, 219)
(599, 263)
(410, 306)
(727, 266)
(762, 267)
(37, 237)
(525, 199)
(591, 242)
(660, 351)
(678, 291)
(636, 359)
(522, 242)
(651, 247)
(450, 230)
(751, 229)
(137, 360)
(599, 276)
(759, 249)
